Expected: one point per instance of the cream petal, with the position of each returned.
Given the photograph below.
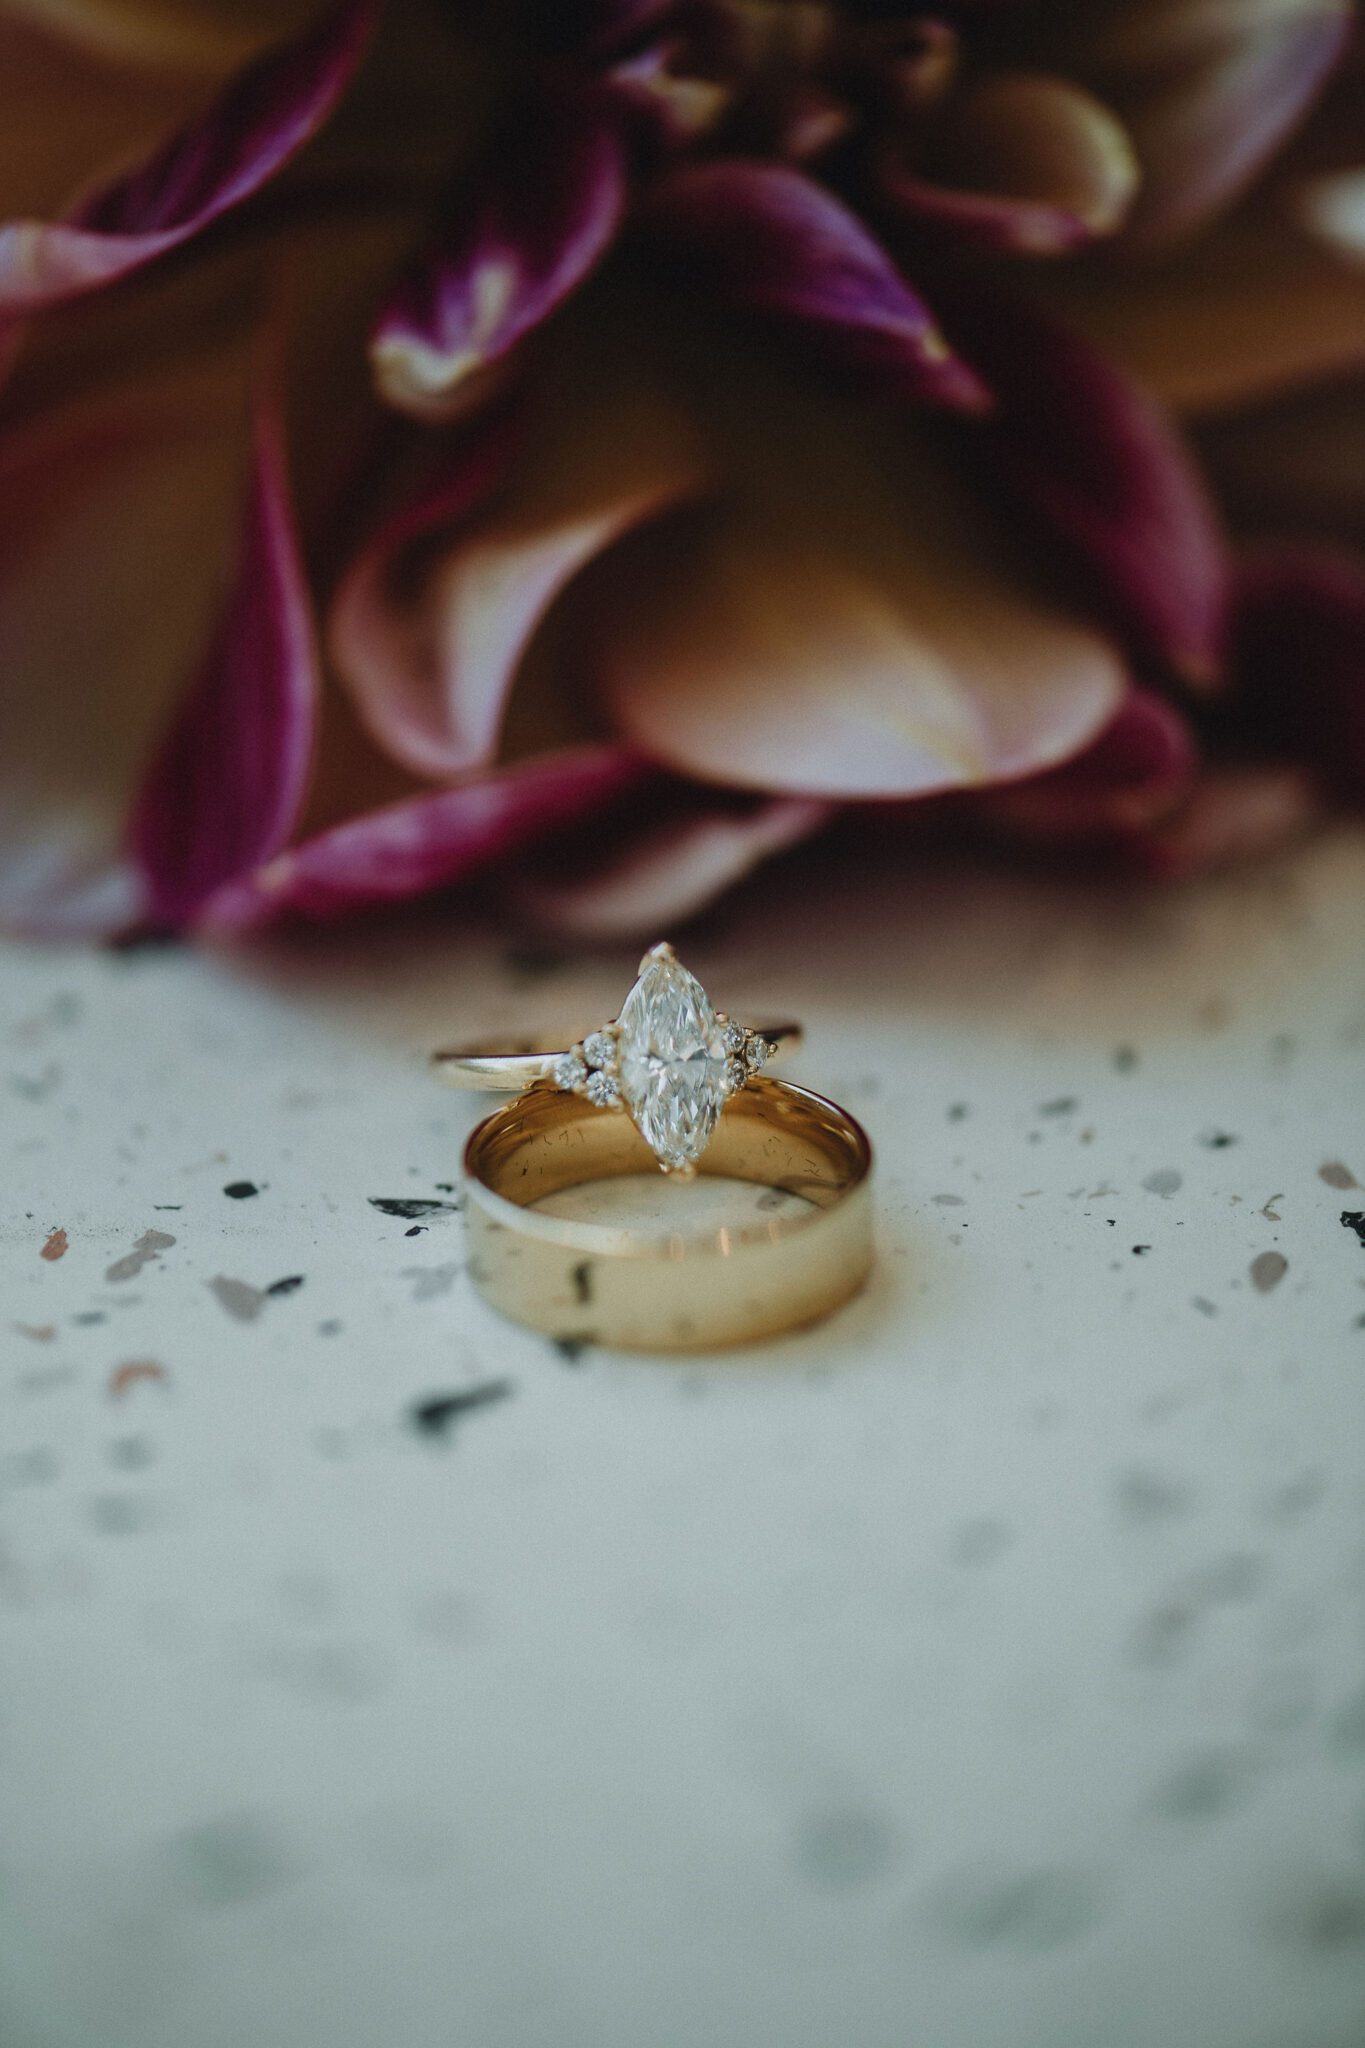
(1334, 208)
(1037, 167)
(430, 625)
(854, 621)
(117, 518)
(1259, 307)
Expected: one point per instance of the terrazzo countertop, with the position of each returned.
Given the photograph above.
(984, 1669)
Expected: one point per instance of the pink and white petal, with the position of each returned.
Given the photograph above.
(770, 244)
(427, 843)
(546, 211)
(430, 625)
(227, 784)
(869, 629)
(1234, 814)
(249, 133)
(1099, 463)
(1038, 166)
(1135, 773)
(667, 868)
(117, 516)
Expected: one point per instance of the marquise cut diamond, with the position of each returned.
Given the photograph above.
(673, 1063)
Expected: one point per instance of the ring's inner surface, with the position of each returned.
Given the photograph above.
(778, 1136)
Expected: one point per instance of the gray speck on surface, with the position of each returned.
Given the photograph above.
(35, 1467)
(1297, 1497)
(1267, 1270)
(1240, 1575)
(948, 1201)
(150, 1245)
(1322, 1912)
(1143, 1495)
(1203, 1304)
(1032, 1910)
(1125, 1059)
(1061, 1105)
(1205, 1786)
(1163, 1635)
(1337, 1175)
(117, 1514)
(242, 1301)
(843, 1848)
(980, 1541)
(1347, 1731)
(227, 1862)
(131, 1453)
(430, 1282)
(1164, 1181)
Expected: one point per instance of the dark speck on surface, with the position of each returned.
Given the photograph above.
(241, 1190)
(1125, 1059)
(411, 1208)
(1029, 1910)
(1165, 1181)
(1061, 1105)
(1267, 1270)
(330, 1328)
(1337, 1175)
(1204, 1787)
(1140, 1250)
(571, 1349)
(958, 1112)
(1354, 1219)
(437, 1415)
(1323, 1913)
(289, 1285)
(842, 1849)
(117, 1514)
(227, 1861)
(1143, 1496)
(1216, 1141)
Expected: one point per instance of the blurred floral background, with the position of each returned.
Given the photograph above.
(591, 446)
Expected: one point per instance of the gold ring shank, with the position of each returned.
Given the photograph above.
(507, 1070)
(677, 1290)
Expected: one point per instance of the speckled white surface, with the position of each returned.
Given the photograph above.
(981, 1671)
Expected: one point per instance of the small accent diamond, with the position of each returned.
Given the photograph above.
(757, 1052)
(599, 1049)
(568, 1070)
(735, 1036)
(603, 1090)
(736, 1074)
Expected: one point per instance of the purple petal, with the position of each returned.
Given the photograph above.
(226, 788)
(1233, 814)
(429, 842)
(668, 868)
(552, 199)
(1135, 772)
(1098, 462)
(773, 244)
(252, 129)
(1299, 645)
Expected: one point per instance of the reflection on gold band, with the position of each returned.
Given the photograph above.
(673, 1290)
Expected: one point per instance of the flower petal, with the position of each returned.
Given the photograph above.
(212, 36)
(1097, 460)
(1132, 775)
(228, 782)
(1037, 166)
(1333, 206)
(1233, 814)
(858, 623)
(772, 244)
(1257, 308)
(427, 842)
(253, 128)
(1209, 89)
(1301, 661)
(668, 869)
(116, 522)
(430, 625)
(552, 199)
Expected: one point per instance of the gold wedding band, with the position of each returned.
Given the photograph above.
(677, 1290)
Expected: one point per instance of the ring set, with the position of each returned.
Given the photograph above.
(669, 1083)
